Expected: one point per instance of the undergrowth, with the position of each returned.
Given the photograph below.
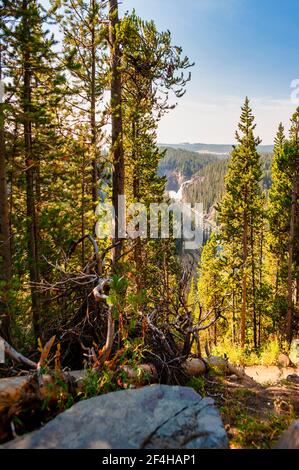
(267, 356)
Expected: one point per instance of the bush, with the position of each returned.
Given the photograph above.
(270, 353)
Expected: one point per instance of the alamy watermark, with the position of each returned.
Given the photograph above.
(295, 92)
(177, 220)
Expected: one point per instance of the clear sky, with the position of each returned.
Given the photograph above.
(240, 47)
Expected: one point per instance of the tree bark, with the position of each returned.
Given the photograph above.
(233, 317)
(290, 311)
(93, 110)
(32, 226)
(253, 287)
(244, 278)
(117, 150)
(260, 285)
(5, 249)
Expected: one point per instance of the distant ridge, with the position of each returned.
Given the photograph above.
(220, 149)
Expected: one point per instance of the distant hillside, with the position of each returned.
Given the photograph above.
(179, 165)
(203, 174)
(207, 186)
(212, 148)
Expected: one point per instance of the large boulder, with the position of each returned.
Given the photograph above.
(152, 417)
(290, 438)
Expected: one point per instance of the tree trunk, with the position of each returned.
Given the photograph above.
(83, 209)
(260, 285)
(233, 317)
(93, 110)
(117, 128)
(32, 227)
(244, 279)
(136, 197)
(290, 311)
(253, 287)
(215, 330)
(5, 252)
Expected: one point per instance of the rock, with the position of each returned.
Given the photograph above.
(218, 364)
(194, 367)
(294, 352)
(290, 438)
(283, 360)
(234, 378)
(293, 378)
(156, 416)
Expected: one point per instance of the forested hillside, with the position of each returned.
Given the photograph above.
(180, 165)
(207, 185)
(222, 150)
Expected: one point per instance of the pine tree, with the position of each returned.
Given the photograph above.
(283, 216)
(291, 166)
(84, 37)
(149, 63)
(211, 289)
(117, 148)
(278, 225)
(33, 84)
(240, 208)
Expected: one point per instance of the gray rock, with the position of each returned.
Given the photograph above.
(157, 416)
(293, 378)
(290, 438)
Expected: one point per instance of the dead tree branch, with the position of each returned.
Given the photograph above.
(16, 356)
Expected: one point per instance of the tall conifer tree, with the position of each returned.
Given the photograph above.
(240, 207)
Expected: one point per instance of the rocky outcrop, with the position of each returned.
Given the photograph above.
(157, 416)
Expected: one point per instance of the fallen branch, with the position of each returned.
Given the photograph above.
(242, 375)
(212, 360)
(101, 293)
(141, 375)
(105, 352)
(196, 367)
(16, 356)
(29, 392)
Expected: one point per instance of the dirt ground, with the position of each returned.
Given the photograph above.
(254, 417)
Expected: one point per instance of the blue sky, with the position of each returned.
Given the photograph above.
(240, 47)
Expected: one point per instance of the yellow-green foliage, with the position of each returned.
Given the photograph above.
(235, 353)
(267, 356)
(270, 352)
